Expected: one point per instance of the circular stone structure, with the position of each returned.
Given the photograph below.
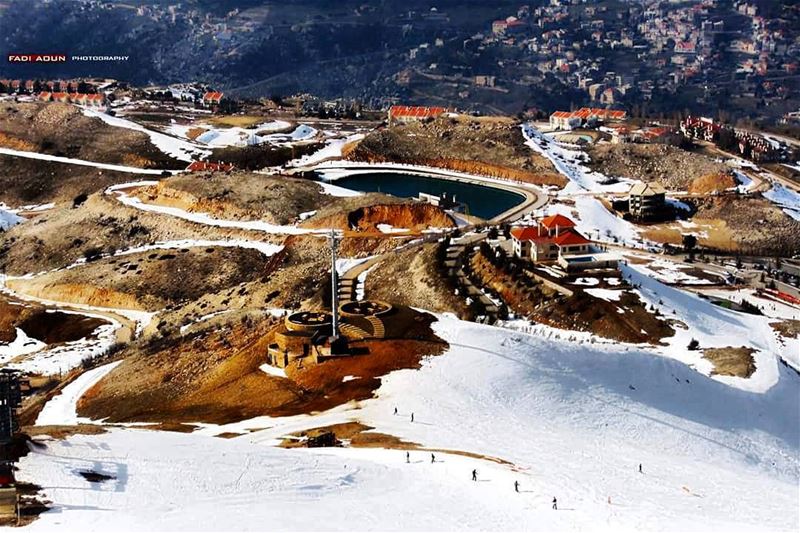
(365, 308)
(308, 321)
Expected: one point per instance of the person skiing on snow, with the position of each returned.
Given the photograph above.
(640, 468)
(474, 475)
(555, 503)
(516, 486)
(412, 417)
(408, 457)
(433, 458)
(395, 411)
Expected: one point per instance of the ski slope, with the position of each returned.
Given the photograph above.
(573, 420)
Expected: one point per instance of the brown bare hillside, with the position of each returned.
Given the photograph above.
(712, 183)
(756, 224)
(152, 280)
(100, 225)
(411, 277)
(240, 195)
(492, 147)
(63, 130)
(670, 166)
(30, 181)
(213, 376)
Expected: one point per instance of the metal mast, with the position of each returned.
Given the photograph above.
(334, 240)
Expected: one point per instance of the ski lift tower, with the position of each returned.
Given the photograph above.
(334, 239)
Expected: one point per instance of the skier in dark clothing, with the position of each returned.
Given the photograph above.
(555, 503)
(640, 468)
(408, 457)
(474, 475)
(433, 458)
(516, 486)
(395, 410)
(412, 417)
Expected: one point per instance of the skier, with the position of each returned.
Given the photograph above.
(412, 417)
(474, 475)
(516, 486)
(408, 457)
(433, 458)
(640, 468)
(555, 503)
(395, 411)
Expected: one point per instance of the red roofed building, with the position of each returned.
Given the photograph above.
(554, 223)
(209, 166)
(403, 114)
(60, 97)
(44, 96)
(567, 120)
(95, 100)
(212, 98)
(551, 238)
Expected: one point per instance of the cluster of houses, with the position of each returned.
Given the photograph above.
(554, 240)
(750, 145)
(584, 117)
(52, 86)
(87, 99)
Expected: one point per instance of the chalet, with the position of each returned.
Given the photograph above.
(212, 98)
(401, 114)
(555, 241)
(548, 240)
(209, 166)
(647, 200)
(44, 96)
(60, 97)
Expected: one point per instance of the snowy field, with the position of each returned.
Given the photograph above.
(574, 420)
(786, 199)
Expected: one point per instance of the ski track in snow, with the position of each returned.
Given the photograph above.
(203, 218)
(82, 162)
(62, 408)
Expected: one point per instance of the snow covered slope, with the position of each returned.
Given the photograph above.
(573, 419)
(8, 219)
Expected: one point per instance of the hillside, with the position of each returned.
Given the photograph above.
(491, 146)
(672, 167)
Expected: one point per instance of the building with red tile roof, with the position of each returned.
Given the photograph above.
(212, 98)
(554, 222)
(549, 239)
(567, 120)
(404, 113)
